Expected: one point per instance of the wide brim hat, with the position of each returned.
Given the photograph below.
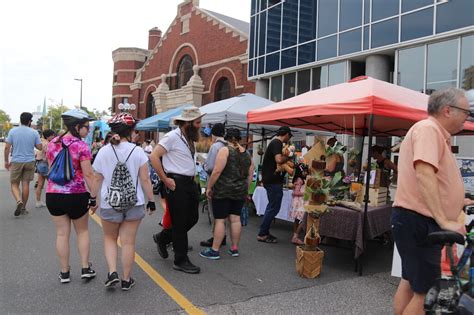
(188, 114)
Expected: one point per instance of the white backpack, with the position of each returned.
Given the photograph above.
(122, 193)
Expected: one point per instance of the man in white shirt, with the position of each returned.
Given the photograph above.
(182, 193)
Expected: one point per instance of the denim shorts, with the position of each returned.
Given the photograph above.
(421, 262)
(112, 215)
(42, 168)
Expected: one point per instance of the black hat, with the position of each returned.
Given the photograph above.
(233, 133)
(284, 130)
(218, 130)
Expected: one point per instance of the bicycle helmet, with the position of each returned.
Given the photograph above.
(75, 117)
(124, 119)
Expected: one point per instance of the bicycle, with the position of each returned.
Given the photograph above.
(449, 295)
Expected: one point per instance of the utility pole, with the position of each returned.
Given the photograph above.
(80, 101)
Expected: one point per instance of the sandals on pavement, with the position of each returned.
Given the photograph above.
(266, 239)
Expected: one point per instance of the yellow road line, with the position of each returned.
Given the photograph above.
(182, 301)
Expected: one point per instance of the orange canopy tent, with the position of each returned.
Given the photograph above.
(363, 106)
(347, 108)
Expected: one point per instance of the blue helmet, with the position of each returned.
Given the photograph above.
(75, 116)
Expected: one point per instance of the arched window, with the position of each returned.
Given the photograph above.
(222, 90)
(150, 105)
(185, 71)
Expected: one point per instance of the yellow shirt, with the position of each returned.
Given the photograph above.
(429, 142)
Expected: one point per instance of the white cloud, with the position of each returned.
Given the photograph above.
(45, 44)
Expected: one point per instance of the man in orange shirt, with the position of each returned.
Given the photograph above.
(429, 197)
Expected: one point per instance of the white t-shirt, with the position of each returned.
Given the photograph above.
(148, 149)
(105, 162)
(178, 158)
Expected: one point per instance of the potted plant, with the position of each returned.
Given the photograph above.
(352, 157)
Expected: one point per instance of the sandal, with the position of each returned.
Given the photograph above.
(266, 239)
(297, 241)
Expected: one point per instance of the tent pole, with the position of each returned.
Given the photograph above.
(263, 141)
(247, 144)
(367, 187)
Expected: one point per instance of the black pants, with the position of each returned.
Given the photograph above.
(183, 204)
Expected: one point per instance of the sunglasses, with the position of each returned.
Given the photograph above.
(465, 111)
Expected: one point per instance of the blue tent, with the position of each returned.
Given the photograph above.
(161, 120)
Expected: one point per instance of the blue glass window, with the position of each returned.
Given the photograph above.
(351, 14)
(252, 7)
(273, 62)
(261, 65)
(384, 8)
(454, 14)
(320, 78)
(327, 48)
(290, 23)
(337, 73)
(408, 5)
(350, 42)
(250, 68)
(441, 68)
(304, 80)
(366, 37)
(307, 27)
(276, 89)
(252, 37)
(262, 33)
(366, 11)
(467, 63)
(289, 85)
(417, 24)
(384, 33)
(306, 53)
(273, 29)
(263, 4)
(411, 68)
(327, 20)
(288, 58)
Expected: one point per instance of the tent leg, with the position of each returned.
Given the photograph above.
(367, 187)
(247, 144)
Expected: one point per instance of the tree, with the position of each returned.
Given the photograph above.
(53, 120)
(5, 124)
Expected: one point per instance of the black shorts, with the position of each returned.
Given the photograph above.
(74, 205)
(421, 262)
(221, 208)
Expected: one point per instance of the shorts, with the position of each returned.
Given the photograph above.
(73, 205)
(421, 262)
(112, 215)
(42, 168)
(221, 208)
(22, 172)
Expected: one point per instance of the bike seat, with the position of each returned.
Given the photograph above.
(445, 237)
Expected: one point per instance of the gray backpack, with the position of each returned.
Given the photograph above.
(122, 193)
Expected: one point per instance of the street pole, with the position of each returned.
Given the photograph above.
(80, 101)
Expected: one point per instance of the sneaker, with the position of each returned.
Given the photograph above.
(233, 252)
(186, 267)
(112, 279)
(19, 206)
(64, 277)
(127, 285)
(40, 204)
(87, 273)
(160, 245)
(209, 253)
(208, 243)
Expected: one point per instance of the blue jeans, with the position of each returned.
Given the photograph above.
(275, 195)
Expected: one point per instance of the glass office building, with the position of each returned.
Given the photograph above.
(300, 45)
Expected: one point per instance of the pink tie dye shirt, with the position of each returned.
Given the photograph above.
(79, 151)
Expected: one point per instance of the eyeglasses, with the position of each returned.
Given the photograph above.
(465, 111)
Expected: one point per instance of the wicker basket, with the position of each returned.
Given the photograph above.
(309, 263)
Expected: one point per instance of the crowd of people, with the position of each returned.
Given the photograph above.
(430, 193)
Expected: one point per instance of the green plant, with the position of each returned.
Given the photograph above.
(353, 154)
(323, 185)
(337, 148)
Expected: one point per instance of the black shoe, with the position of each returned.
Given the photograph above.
(64, 277)
(87, 273)
(187, 266)
(112, 279)
(127, 285)
(170, 246)
(19, 207)
(208, 243)
(160, 245)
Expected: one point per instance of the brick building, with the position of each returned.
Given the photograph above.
(201, 58)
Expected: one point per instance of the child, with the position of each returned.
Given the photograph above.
(297, 211)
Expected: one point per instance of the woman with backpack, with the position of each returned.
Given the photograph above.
(67, 197)
(227, 189)
(122, 174)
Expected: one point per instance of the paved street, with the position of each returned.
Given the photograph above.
(261, 281)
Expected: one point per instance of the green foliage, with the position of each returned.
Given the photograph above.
(5, 124)
(353, 154)
(337, 148)
(52, 120)
(324, 185)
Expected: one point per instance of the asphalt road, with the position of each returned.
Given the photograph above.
(261, 281)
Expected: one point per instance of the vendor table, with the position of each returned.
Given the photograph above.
(340, 222)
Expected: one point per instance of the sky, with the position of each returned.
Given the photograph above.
(45, 45)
